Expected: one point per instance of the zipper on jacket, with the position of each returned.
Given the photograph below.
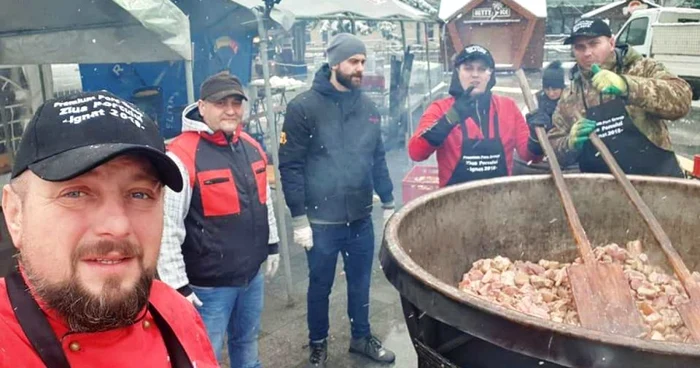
(342, 136)
(215, 181)
(250, 198)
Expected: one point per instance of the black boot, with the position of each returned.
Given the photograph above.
(319, 354)
(372, 348)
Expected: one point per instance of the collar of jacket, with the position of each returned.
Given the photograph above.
(192, 121)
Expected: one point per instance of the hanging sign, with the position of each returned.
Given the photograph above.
(496, 10)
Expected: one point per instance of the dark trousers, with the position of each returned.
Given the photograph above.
(355, 242)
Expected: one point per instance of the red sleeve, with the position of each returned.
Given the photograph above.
(418, 148)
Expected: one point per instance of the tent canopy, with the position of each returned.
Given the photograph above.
(92, 31)
(450, 8)
(330, 9)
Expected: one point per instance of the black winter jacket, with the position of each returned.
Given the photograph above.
(331, 154)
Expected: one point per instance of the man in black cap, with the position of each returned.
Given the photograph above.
(221, 227)
(474, 132)
(627, 99)
(84, 209)
(331, 159)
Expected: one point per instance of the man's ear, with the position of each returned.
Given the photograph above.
(12, 209)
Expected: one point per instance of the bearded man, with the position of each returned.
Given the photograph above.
(331, 160)
(84, 209)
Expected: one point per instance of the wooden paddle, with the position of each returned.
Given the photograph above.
(690, 312)
(601, 291)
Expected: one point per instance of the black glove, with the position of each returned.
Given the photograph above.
(539, 118)
(463, 107)
(535, 119)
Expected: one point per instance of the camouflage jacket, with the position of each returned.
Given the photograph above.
(654, 97)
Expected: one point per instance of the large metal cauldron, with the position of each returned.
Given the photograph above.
(434, 239)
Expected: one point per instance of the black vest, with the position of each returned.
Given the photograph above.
(227, 225)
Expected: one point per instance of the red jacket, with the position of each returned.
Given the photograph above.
(139, 345)
(512, 126)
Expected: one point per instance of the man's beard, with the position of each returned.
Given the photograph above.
(346, 80)
(81, 310)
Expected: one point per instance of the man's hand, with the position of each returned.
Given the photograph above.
(194, 300)
(302, 232)
(388, 210)
(273, 264)
(580, 132)
(535, 119)
(608, 82)
(463, 107)
(538, 118)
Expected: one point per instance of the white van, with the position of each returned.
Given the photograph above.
(669, 35)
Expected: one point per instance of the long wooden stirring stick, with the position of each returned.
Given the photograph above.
(601, 291)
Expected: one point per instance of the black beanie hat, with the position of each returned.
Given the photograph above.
(553, 76)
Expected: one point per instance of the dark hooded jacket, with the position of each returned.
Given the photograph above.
(331, 154)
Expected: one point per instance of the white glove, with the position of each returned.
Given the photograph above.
(194, 300)
(302, 232)
(388, 211)
(273, 264)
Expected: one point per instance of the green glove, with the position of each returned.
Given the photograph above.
(608, 82)
(580, 132)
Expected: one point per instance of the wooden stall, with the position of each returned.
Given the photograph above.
(513, 30)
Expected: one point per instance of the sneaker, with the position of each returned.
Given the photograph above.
(372, 348)
(319, 355)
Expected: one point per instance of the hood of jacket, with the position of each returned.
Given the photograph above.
(192, 120)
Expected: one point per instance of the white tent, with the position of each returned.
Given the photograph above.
(92, 31)
(450, 8)
(288, 10)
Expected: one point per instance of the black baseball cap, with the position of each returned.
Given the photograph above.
(474, 52)
(588, 27)
(72, 135)
(221, 85)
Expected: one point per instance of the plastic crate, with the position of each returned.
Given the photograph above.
(419, 180)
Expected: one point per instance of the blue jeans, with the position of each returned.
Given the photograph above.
(355, 242)
(235, 310)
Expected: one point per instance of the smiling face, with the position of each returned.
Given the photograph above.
(225, 114)
(89, 245)
(592, 50)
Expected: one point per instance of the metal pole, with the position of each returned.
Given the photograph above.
(189, 75)
(403, 35)
(427, 57)
(46, 81)
(280, 208)
(409, 113)
(189, 80)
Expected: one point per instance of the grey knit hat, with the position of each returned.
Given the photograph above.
(343, 46)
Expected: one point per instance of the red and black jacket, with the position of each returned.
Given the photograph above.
(227, 223)
(514, 134)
